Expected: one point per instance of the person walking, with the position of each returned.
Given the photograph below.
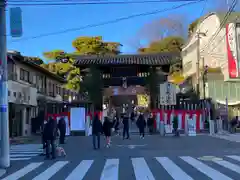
(141, 124)
(116, 125)
(96, 131)
(125, 126)
(132, 117)
(44, 141)
(62, 130)
(50, 133)
(150, 123)
(107, 128)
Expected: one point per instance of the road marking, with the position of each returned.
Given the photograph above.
(141, 169)
(19, 159)
(110, 170)
(229, 165)
(80, 171)
(22, 172)
(208, 171)
(23, 155)
(24, 152)
(172, 169)
(237, 158)
(48, 173)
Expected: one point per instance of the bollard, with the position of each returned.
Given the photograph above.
(186, 125)
(158, 122)
(162, 128)
(211, 127)
(87, 126)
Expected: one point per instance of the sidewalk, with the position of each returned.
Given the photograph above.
(228, 136)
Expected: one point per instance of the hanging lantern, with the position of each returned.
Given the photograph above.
(124, 82)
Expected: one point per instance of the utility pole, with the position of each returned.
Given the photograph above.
(198, 65)
(204, 78)
(199, 35)
(4, 128)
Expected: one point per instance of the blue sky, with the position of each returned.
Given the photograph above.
(49, 19)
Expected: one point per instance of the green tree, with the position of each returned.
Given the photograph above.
(168, 44)
(83, 46)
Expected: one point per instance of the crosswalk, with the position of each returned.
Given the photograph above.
(25, 151)
(224, 168)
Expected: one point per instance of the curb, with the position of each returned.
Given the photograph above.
(2, 172)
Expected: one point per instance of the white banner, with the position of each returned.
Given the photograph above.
(77, 119)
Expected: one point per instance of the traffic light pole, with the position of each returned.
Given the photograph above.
(4, 128)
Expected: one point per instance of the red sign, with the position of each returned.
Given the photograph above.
(231, 50)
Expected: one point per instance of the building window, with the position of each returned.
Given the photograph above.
(24, 75)
(9, 93)
(14, 94)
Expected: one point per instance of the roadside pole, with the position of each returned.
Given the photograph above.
(4, 129)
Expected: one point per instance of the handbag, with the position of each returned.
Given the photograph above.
(90, 131)
(112, 129)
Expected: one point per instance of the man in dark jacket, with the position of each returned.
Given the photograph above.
(125, 126)
(62, 129)
(44, 141)
(96, 131)
(50, 134)
(141, 124)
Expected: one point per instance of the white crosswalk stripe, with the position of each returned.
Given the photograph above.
(47, 174)
(172, 169)
(110, 169)
(80, 171)
(210, 172)
(22, 172)
(25, 151)
(141, 169)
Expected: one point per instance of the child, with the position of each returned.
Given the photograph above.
(107, 126)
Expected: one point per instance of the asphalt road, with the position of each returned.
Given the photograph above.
(153, 158)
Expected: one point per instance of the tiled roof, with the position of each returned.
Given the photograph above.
(21, 59)
(138, 59)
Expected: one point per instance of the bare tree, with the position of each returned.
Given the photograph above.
(155, 30)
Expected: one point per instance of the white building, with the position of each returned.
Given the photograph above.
(28, 84)
(215, 45)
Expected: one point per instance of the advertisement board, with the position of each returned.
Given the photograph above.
(238, 46)
(232, 50)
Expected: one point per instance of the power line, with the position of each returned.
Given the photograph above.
(68, 3)
(231, 8)
(204, 7)
(107, 22)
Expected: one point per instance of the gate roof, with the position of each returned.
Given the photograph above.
(164, 58)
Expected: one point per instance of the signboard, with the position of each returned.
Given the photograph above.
(191, 126)
(16, 22)
(168, 94)
(77, 119)
(232, 50)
